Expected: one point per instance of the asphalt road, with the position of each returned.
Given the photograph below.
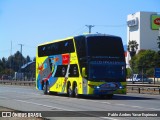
(26, 98)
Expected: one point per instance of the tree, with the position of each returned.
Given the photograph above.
(4, 62)
(13, 64)
(28, 59)
(132, 47)
(145, 62)
(34, 59)
(129, 72)
(158, 42)
(1, 66)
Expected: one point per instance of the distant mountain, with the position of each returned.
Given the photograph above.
(125, 47)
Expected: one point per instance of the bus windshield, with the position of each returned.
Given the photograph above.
(107, 46)
(107, 71)
(106, 58)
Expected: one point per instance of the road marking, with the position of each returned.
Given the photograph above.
(41, 105)
(38, 104)
(52, 107)
(155, 109)
(129, 106)
(121, 104)
(106, 103)
(3, 97)
(95, 101)
(108, 118)
(139, 107)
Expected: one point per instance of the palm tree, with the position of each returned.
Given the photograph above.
(158, 43)
(132, 47)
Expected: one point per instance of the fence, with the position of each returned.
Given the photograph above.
(144, 88)
(14, 82)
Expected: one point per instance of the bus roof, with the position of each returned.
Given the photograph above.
(56, 41)
(85, 35)
(98, 34)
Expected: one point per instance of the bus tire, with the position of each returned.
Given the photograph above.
(69, 90)
(75, 90)
(46, 89)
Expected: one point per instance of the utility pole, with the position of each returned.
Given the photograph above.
(21, 47)
(21, 60)
(89, 27)
(11, 60)
(21, 51)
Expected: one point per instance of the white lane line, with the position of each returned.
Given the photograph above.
(129, 106)
(42, 105)
(121, 104)
(108, 118)
(106, 103)
(38, 104)
(139, 107)
(155, 109)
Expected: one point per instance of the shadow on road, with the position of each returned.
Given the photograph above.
(115, 97)
(127, 97)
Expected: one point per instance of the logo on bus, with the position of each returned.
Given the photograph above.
(107, 85)
(65, 59)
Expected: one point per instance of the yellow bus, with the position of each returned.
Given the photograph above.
(92, 64)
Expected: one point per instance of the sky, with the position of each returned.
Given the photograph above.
(32, 22)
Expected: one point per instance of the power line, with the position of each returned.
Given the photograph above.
(79, 30)
(29, 46)
(122, 25)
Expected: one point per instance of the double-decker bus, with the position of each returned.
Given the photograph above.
(92, 64)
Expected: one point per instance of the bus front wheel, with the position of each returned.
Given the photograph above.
(75, 90)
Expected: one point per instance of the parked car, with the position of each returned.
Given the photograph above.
(4, 77)
(138, 78)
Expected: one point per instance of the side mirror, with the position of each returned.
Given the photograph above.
(84, 72)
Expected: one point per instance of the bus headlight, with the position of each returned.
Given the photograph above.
(97, 87)
(120, 87)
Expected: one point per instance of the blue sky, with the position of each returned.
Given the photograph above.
(32, 22)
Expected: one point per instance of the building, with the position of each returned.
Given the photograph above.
(28, 70)
(143, 27)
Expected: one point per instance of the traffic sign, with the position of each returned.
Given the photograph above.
(157, 72)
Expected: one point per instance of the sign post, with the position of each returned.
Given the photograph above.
(156, 73)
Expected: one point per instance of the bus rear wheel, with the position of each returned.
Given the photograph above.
(46, 89)
(69, 90)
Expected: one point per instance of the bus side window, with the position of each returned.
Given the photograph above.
(73, 70)
(61, 71)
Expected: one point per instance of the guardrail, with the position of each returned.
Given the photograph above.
(17, 82)
(144, 88)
